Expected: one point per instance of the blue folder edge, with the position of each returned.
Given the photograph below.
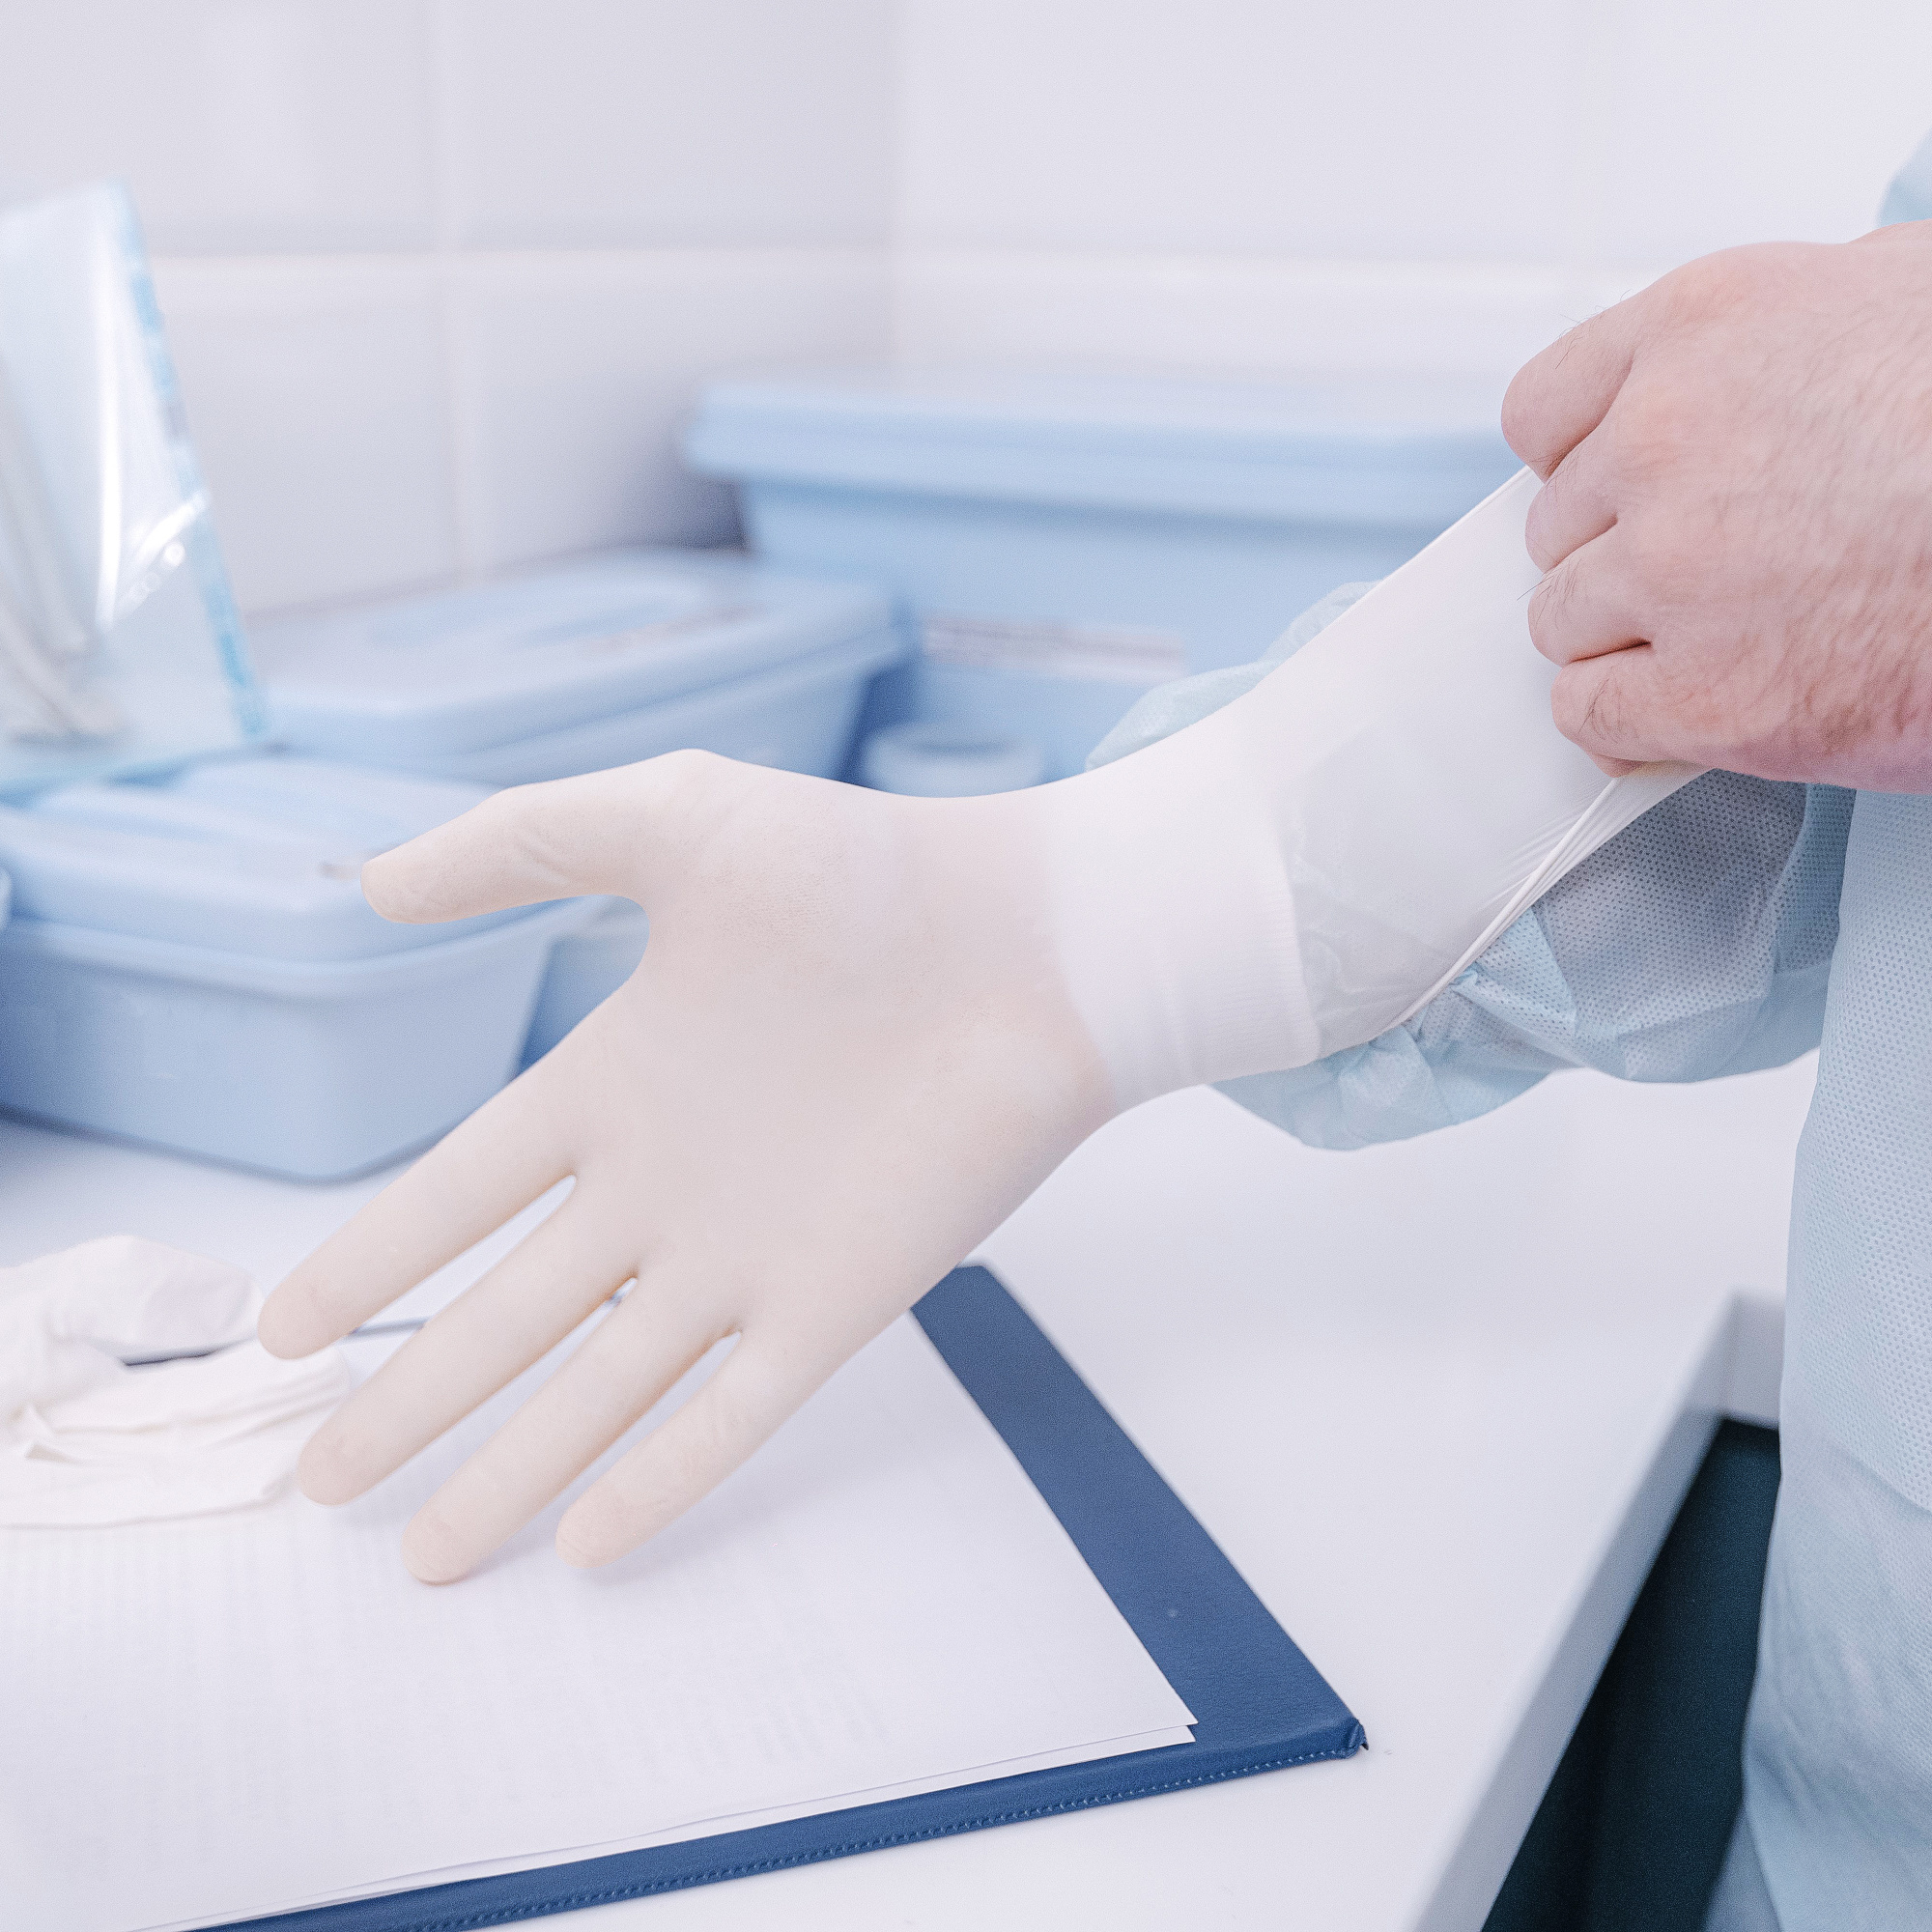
(1259, 1704)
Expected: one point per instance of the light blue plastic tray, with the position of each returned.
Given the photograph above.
(1059, 544)
(580, 667)
(191, 964)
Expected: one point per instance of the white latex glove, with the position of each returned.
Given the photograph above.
(867, 1027)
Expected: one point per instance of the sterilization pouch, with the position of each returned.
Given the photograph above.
(120, 648)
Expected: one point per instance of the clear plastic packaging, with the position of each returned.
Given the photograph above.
(119, 647)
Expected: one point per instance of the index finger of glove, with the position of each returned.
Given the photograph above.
(1560, 395)
(494, 1165)
(515, 1316)
(607, 832)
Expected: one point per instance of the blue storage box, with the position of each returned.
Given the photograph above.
(191, 963)
(586, 968)
(1060, 544)
(584, 665)
(931, 759)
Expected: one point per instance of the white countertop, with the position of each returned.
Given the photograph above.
(1438, 1401)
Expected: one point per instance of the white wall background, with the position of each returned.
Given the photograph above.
(1261, 184)
(442, 274)
(439, 276)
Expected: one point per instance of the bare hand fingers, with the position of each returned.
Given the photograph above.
(510, 1151)
(1560, 395)
(1610, 707)
(638, 1350)
(521, 1310)
(1586, 606)
(1575, 507)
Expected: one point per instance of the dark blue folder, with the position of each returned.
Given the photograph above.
(1259, 1704)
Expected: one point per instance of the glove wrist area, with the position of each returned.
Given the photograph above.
(1305, 867)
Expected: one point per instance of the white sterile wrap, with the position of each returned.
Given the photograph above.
(1309, 865)
(87, 1440)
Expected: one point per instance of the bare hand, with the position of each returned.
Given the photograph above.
(1737, 514)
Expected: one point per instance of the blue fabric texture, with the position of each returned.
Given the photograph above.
(1259, 1704)
(1736, 926)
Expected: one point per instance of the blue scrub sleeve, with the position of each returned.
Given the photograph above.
(1695, 943)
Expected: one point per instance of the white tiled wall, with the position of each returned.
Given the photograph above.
(1272, 184)
(245, 125)
(319, 403)
(652, 122)
(562, 356)
(441, 276)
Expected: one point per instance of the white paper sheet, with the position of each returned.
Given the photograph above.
(216, 1719)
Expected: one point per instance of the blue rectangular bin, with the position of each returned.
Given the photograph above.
(1059, 544)
(581, 666)
(577, 667)
(191, 964)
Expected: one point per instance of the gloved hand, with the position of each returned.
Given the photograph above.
(866, 1026)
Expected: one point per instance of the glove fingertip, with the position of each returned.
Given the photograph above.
(393, 885)
(290, 1324)
(433, 1552)
(593, 1534)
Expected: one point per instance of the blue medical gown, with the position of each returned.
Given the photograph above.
(1736, 926)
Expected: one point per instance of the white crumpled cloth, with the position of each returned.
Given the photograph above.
(87, 1440)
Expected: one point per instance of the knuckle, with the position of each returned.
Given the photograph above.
(626, 1361)
(1717, 282)
(1531, 419)
(1661, 557)
(690, 776)
(1578, 704)
(1538, 526)
(1560, 513)
(1655, 430)
(1522, 416)
(1734, 282)
(685, 794)
(502, 813)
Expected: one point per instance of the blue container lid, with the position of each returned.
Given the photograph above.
(260, 855)
(933, 759)
(463, 671)
(1336, 449)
